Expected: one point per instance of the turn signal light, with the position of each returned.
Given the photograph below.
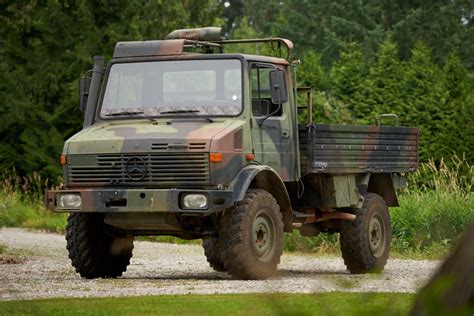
(215, 157)
(249, 157)
(63, 160)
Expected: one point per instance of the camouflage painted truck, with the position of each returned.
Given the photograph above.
(183, 139)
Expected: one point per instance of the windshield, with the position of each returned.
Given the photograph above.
(208, 87)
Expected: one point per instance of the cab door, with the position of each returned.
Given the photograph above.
(273, 144)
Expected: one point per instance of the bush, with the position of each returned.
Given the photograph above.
(21, 204)
(436, 208)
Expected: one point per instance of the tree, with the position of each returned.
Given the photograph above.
(348, 82)
(456, 129)
(386, 82)
(425, 99)
(46, 46)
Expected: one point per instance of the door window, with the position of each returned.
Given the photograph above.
(260, 88)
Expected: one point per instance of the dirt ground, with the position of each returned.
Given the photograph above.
(37, 266)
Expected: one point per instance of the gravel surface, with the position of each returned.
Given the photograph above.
(40, 268)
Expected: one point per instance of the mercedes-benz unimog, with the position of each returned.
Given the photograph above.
(181, 138)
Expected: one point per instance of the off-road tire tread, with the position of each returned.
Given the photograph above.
(235, 257)
(355, 250)
(213, 250)
(88, 242)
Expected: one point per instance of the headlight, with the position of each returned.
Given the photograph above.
(70, 201)
(195, 201)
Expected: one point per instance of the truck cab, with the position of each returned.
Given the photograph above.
(183, 139)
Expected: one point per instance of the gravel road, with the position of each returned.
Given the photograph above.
(40, 268)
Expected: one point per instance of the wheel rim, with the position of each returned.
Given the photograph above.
(377, 236)
(263, 236)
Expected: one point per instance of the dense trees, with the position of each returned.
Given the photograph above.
(411, 58)
(435, 98)
(45, 46)
(326, 26)
(364, 57)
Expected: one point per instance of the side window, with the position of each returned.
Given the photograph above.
(260, 88)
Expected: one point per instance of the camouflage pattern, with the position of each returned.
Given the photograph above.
(93, 152)
(149, 48)
(138, 165)
(358, 149)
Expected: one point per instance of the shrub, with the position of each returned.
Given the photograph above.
(21, 204)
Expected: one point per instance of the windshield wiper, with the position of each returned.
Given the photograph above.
(132, 113)
(193, 112)
(125, 113)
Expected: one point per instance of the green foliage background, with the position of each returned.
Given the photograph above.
(363, 57)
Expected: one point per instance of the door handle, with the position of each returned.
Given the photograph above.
(285, 135)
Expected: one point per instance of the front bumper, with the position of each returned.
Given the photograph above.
(139, 200)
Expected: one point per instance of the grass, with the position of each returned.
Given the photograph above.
(21, 204)
(19, 210)
(335, 303)
(430, 221)
(434, 210)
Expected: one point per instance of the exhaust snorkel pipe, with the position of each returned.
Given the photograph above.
(97, 74)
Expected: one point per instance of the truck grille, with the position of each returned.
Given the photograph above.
(170, 170)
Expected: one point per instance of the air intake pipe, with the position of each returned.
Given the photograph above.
(97, 74)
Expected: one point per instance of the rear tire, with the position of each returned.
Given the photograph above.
(95, 250)
(252, 236)
(212, 250)
(365, 242)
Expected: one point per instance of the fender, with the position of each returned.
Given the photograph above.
(265, 178)
(382, 184)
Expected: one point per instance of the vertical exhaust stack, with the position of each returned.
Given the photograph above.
(97, 74)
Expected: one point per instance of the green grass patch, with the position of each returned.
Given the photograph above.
(335, 303)
(430, 221)
(20, 210)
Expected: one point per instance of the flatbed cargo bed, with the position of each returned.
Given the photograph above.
(338, 149)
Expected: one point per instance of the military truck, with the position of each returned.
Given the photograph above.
(183, 139)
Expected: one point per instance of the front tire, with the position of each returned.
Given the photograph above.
(213, 250)
(252, 235)
(365, 242)
(95, 250)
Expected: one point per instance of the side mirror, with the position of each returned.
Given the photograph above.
(84, 86)
(278, 86)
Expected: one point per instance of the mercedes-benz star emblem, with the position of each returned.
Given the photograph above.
(135, 168)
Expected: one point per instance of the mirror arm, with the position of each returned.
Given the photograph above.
(261, 120)
(87, 73)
